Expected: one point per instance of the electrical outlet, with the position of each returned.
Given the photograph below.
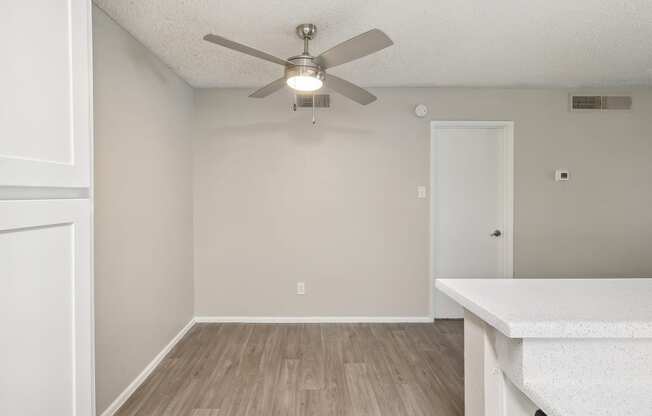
(301, 288)
(562, 175)
(421, 191)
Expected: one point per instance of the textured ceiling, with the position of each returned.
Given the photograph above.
(568, 43)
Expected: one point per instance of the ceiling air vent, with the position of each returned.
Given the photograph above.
(305, 100)
(600, 102)
(614, 102)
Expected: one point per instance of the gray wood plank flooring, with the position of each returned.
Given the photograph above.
(308, 369)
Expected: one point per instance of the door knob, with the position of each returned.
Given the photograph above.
(496, 233)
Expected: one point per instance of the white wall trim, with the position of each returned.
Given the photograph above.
(131, 388)
(312, 319)
(508, 127)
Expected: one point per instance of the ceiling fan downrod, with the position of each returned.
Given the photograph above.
(307, 32)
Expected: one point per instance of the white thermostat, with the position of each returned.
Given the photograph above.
(562, 175)
(421, 110)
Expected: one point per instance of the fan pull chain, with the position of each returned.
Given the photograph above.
(314, 111)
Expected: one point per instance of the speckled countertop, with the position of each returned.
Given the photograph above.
(595, 399)
(558, 308)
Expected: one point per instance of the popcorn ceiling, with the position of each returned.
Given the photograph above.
(540, 43)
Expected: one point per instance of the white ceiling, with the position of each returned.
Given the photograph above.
(561, 43)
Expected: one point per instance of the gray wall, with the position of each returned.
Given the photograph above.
(143, 207)
(277, 200)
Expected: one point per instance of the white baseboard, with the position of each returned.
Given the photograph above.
(131, 388)
(311, 319)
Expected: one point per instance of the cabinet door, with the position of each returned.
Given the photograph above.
(46, 365)
(45, 79)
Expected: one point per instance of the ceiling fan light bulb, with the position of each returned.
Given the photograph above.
(304, 83)
(304, 76)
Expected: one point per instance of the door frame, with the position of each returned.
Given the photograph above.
(508, 183)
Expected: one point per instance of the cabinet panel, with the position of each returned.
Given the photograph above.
(45, 308)
(45, 113)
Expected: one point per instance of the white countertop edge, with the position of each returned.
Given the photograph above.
(473, 307)
(579, 329)
(549, 329)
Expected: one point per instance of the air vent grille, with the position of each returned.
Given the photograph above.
(587, 102)
(305, 100)
(616, 103)
(600, 102)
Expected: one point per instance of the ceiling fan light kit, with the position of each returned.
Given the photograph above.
(307, 73)
(304, 77)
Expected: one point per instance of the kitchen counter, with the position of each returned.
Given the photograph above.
(558, 308)
(571, 347)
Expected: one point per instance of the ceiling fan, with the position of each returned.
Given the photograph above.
(307, 73)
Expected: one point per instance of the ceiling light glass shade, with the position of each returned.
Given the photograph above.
(305, 83)
(304, 78)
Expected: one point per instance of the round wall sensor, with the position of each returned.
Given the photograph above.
(421, 110)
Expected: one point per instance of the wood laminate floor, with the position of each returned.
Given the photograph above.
(308, 369)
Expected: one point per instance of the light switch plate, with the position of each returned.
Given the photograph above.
(421, 192)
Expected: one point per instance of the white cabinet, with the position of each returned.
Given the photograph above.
(46, 287)
(46, 365)
(45, 79)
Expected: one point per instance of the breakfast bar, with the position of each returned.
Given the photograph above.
(564, 347)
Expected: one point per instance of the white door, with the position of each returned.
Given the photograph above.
(471, 204)
(46, 310)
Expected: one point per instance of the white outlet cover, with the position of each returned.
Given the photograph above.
(421, 192)
(301, 288)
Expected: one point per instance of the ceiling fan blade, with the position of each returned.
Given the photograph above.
(268, 89)
(244, 49)
(354, 48)
(349, 90)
